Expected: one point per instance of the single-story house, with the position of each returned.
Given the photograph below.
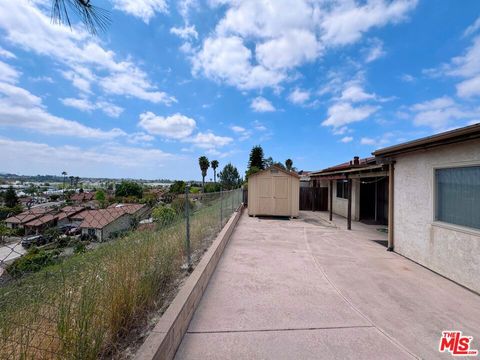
(83, 197)
(104, 223)
(67, 215)
(357, 190)
(19, 220)
(36, 226)
(436, 202)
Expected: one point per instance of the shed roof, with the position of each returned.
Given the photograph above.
(445, 138)
(276, 167)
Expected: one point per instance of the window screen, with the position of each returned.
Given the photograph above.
(342, 189)
(458, 196)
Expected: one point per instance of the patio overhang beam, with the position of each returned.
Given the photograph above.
(327, 175)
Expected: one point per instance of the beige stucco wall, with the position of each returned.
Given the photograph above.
(340, 205)
(447, 249)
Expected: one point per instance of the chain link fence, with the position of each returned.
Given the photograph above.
(80, 283)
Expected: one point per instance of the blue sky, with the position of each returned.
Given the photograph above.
(314, 81)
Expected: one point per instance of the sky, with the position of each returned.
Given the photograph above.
(317, 81)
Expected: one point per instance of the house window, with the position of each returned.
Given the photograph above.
(458, 196)
(342, 189)
(91, 232)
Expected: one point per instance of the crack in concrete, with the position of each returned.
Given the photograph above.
(279, 330)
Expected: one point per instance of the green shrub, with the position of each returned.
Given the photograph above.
(195, 190)
(212, 187)
(34, 260)
(164, 215)
(80, 248)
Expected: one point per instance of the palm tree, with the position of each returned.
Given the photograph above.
(204, 165)
(94, 18)
(214, 167)
(289, 164)
(64, 173)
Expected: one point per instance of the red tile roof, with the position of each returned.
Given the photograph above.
(28, 215)
(100, 218)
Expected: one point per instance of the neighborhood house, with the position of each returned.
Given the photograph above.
(105, 223)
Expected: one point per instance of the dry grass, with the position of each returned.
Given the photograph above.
(86, 306)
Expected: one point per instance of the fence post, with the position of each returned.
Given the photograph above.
(187, 223)
(221, 207)
(233, 200)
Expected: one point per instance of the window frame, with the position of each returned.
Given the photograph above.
(344, 183)
(443, 224)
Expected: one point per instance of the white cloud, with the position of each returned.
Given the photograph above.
(465, 67)
(86, 60)
(20, 108)
(299, 96)
(355, 93)
(243, 133)
(346, 139)
(140, 137)
(176, 126)
(227, 59)
(186, 32)
(285, 35)
(375, 51)
(6, 54)
(367, 141)
(47, 79)
(472, 28)
(470, 87)
(260, 104)
(238, 129)
(83, 104)
(407, 78)
(348, 20)
(106, 160)
(208, 140)
(378, 142)
(8, 73)
(291, 49)
(442, 113)
(257, 125)
(340, 114)
(143, 9)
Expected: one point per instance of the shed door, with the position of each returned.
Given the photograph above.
(280, 195)
(265, 195)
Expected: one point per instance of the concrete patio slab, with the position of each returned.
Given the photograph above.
(307, 288)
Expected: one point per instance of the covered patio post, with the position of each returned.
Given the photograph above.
(349, 215)
(390, 206)
(330, 207)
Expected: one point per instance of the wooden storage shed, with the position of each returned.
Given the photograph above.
(274, 192)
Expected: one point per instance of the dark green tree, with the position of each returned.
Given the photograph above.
(178, 187)
(256, 158)
(11, 198)
(214, 167)
(129, 188)
(229, 177)
(289, 164)
(204, 165)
